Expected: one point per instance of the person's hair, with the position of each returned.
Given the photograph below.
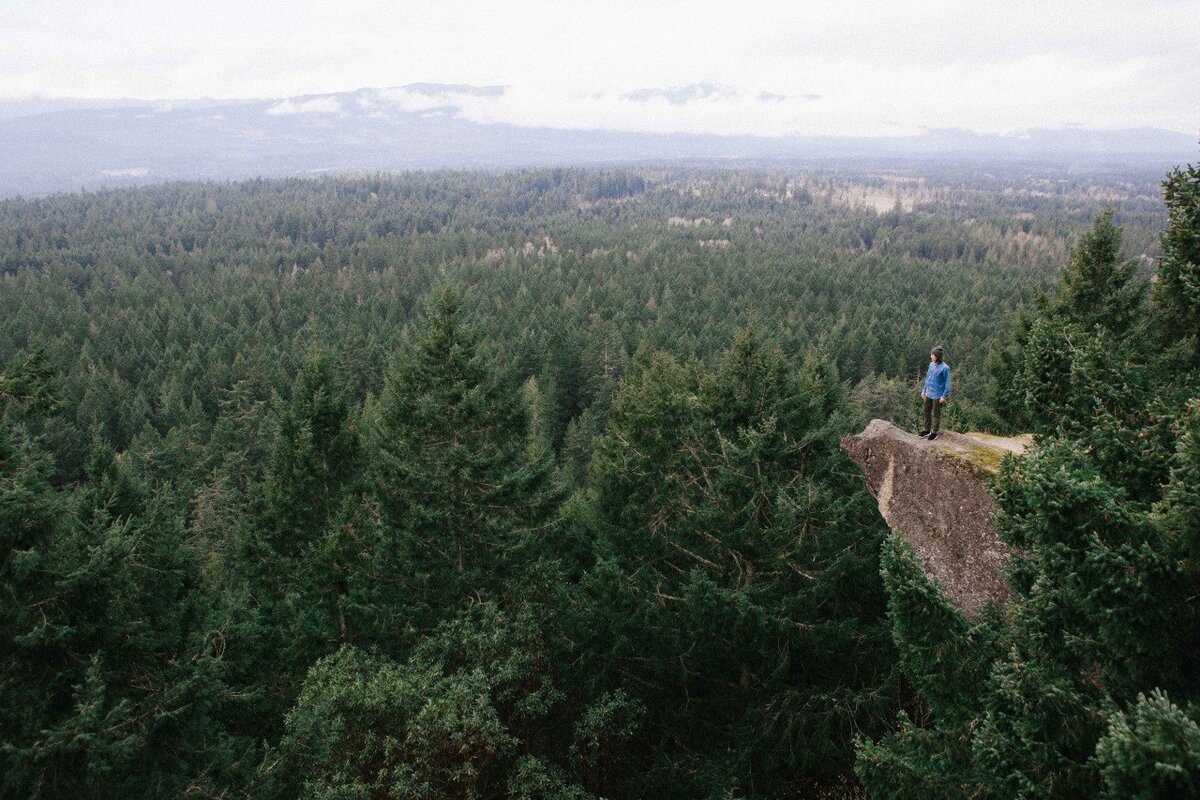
(938, 353)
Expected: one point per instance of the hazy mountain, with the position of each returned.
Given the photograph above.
(57, 145)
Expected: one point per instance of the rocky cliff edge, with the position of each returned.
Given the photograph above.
(934, 495)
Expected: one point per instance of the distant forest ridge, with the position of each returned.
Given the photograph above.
(65, 145)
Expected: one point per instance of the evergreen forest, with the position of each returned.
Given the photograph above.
(528, 485)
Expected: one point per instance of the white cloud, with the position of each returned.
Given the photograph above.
(315, 105)
(425, 97)
(681, 95)
(851, 66)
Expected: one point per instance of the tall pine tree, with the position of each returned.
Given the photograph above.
(464, 499)
(735, 572)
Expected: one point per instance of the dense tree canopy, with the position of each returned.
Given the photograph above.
(1085, 685)
(528, 485)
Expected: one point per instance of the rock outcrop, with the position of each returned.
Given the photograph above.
(934, 495)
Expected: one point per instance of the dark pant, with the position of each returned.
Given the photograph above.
(935, 408)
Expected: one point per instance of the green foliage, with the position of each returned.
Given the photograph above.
(1177, 294)
(271, 524)
(110, 675)
(1180, 507)
(717, 509)
(364, 727)
(881, 397)
(1179, 515)
(1049, 699)
(1151, 752)
(1049, 374)
(467, 715)
(919, 761)
(1098, 286)
(462, 494)
(29, 516)
(30, 383)
(313, 458)
(1037, 732)
(943, 654)
(946, 658)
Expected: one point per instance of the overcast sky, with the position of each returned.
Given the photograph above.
(732, 67)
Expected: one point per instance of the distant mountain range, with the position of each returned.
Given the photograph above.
(65, 145)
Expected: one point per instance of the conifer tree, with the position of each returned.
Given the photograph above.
(464, 499)
(29, 519)
(1100, 514)
(108, 661)
(1178, 291)
(473, 712)
(313, 458)
(1097, 304)
(293, 566)
(718, 508)
(578, 444)
(1150, 752)
(1089, 365)
(945, 658)
(1098, 286)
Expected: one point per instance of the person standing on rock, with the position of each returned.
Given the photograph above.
(936, 392)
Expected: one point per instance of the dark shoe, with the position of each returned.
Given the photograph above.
(933, 436)
(923, 433)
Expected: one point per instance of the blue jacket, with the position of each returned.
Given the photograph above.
(937, 382)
